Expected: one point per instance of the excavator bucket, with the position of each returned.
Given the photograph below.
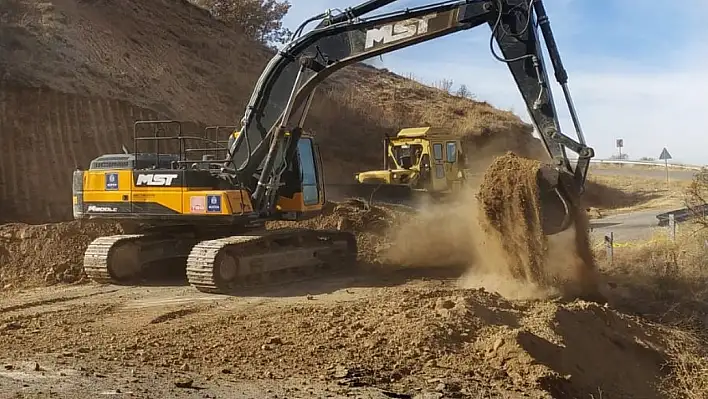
(519, 190)
(557, 210)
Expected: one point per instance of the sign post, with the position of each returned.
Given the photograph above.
(666, 156)
(620, 144)
(672, 227)
(610, 247)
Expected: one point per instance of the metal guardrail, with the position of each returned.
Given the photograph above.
(646, 163)
(681, 215)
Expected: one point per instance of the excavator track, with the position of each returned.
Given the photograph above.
(228, 264)
(96, 257)
(126, 259)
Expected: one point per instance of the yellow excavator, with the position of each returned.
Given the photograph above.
(196, 211)
(419, 162)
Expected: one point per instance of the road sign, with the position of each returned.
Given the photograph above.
(620, 143)
(665, 154)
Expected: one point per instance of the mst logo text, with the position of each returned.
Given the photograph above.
(152, 179)
(397, 31)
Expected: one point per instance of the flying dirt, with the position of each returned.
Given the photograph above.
(512, 215)
(495, 233)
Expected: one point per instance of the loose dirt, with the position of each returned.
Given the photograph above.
(407, 327)
(37, 255)
(371, 224)
(495, 233)
(512, 217)
(423, 337)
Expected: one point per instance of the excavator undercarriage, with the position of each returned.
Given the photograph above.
(220, 263)
(203, 207)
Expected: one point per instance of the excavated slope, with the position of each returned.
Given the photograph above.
(75, 75)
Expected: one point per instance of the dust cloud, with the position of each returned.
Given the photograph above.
(494, 231)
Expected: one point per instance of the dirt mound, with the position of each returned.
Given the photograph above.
(371, 224)
(435, 341)
(34, 255)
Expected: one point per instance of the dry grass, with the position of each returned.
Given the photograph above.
(689, 365)
(667, 276)
(621, 194)
(664, 281)
(607, 166)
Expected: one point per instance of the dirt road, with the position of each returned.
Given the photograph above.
(386, 334)
(86, 340)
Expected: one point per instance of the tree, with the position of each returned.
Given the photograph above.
(464, 92)
(444, 85)
(261, 20)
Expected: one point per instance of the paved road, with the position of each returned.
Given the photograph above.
(636, 225)
(628, 226)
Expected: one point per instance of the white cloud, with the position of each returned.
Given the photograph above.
(656, 103)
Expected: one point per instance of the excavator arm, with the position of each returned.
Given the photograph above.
(277, 109)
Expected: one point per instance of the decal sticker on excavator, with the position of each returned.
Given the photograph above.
(214, 203)
(197, 204)
(102, 209)
(398, 31)
(155, 179)
(111, 181)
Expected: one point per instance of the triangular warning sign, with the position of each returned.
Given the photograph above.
(664, 154)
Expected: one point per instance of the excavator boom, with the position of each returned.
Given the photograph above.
(282, 95)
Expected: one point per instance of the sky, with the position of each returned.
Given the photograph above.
(636, 70)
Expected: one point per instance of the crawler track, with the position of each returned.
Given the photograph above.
(227, 264)
(220, 265)
(127, 259)
(96, 257)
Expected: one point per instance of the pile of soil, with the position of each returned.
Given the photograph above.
(371, 224)
(511, 217)
(441, 341)
(36, 255)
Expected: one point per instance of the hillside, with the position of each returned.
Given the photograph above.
(75, 75)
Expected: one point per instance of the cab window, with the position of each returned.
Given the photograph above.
(438, 151)
(308, 171)
(451, 151)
